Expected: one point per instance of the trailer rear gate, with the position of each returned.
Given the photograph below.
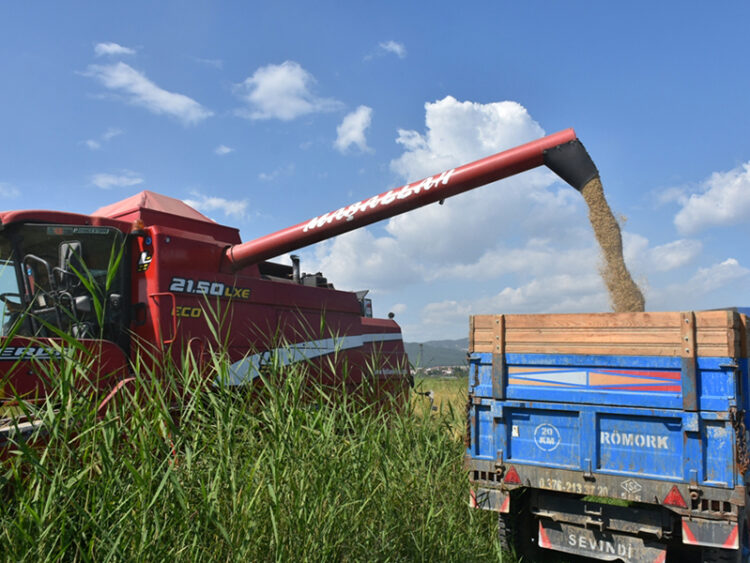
(634, 406)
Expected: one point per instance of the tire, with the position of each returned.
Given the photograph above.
(507, 534)
(515, 532)
(716, 555)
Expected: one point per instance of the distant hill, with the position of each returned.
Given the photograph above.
(437, 352)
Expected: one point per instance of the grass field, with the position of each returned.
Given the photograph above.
(280, 475)
(447, 390)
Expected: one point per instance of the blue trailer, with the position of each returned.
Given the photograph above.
(616, 436)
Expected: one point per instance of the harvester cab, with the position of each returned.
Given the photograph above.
(61, 276)
(152, 273)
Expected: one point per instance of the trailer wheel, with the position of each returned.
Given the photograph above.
(514, 529)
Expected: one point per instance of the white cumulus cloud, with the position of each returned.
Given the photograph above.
(138, 90)
(458, 132)
(285, 170)
(111, 133)
(398, 308)
(661, 258)
(720, 284)
(385, 48)
(112, 50)
(359, 260)
(215, 63)
(8, 190)
(716, 276)
(560, 293)
(724, 199)
(394, 47)
(123, 180)
(352, 129)
(96, 144)
(221, 150)
(281, 92)
(208, 204)
(674, 254)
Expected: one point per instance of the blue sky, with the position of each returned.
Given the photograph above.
(265, 115)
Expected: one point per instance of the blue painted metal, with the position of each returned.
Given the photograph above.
(560, 414)
(569, 378)
(625, 441)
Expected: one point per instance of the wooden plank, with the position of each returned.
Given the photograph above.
(717, 333)
(498, 334)
(742, 329)
(725, 318)
(498, 358)
(688, 353)
(483, 341)
(594, 320)
(604, 336)
(599, 350)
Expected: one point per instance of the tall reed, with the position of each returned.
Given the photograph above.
(175, 469)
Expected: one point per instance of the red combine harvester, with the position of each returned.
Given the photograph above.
(176, 264)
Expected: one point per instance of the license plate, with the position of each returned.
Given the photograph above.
(605, 546)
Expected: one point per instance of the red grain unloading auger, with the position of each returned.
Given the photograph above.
(178, 269)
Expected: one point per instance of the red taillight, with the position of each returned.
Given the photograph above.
(674, 498)
(511, 477)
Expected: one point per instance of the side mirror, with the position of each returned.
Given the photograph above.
(83, 304)
(70, 253)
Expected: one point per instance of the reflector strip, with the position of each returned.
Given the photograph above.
(505, 507)
(543, 539)
(511, 477)
(674, 498)
(733, 539)
(687, 535)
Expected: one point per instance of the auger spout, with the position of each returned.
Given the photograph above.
(562, 152)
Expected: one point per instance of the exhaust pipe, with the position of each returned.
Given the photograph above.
(295, 268)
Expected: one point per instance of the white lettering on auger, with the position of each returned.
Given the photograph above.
(643, 441)
(404, 192)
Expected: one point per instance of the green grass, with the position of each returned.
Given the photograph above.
(276, 475)
(446, 390)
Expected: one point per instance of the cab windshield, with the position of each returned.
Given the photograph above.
(61, 278)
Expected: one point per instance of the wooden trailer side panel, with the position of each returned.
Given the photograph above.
(716, 334)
